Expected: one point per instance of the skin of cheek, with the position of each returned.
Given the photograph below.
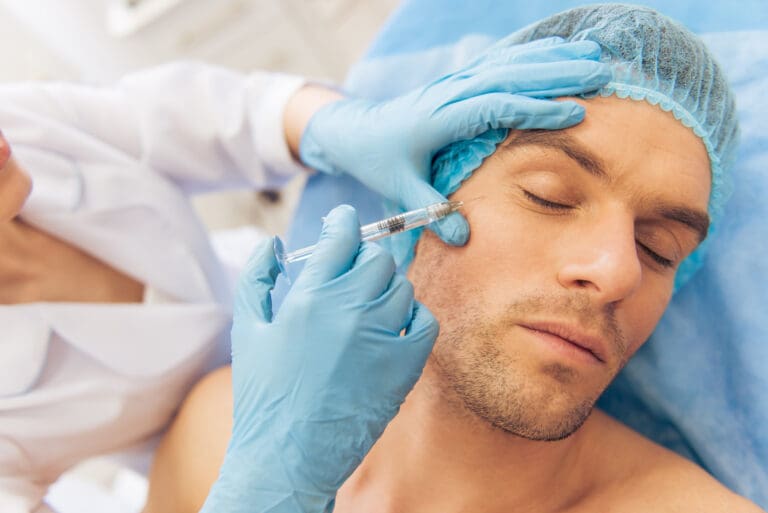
(650, 308)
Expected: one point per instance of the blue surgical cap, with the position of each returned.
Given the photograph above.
(653, 59)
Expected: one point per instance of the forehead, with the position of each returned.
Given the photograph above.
(634, 128)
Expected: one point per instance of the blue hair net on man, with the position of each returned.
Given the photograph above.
(654, 59)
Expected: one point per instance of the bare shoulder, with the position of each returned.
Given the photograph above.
(682, 486)
(645, 476)
(187, 462)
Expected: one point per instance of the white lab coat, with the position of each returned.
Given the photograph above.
(112, 168)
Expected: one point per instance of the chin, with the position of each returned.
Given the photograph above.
(550, 414)
(546, 404)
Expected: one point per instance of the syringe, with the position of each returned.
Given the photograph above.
(380, 229)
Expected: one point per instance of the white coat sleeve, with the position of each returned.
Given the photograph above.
(202, 126)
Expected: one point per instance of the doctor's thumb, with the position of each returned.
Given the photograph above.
(253, 300)
(453, 229)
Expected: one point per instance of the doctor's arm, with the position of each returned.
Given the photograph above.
(204, 127)
(211, 128)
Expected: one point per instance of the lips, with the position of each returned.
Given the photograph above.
(573, 335)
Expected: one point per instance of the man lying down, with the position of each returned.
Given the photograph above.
(579, 238)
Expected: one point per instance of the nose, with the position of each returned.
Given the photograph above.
(602, 259)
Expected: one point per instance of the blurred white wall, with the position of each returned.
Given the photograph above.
(99, 40)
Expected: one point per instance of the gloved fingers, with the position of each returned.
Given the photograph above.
(373, 271)
(420, 335)
(453, 229)
(396, 303)
(549, 52)
(506, 43)
(500, 110)
(549, 79)
(336, 249)
(253, 301)
(503, 48)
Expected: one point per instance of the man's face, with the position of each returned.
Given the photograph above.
(575, 239)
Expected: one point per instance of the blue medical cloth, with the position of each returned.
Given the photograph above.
(423, 24)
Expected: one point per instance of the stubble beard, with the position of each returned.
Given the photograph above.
(480, 376)
(494, 388)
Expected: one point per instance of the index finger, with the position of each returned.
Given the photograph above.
(336, 250)
(253, 300)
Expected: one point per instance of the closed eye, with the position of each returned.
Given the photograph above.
(551, 205)
(664, 262)
(545, 203)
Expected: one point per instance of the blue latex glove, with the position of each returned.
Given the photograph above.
(388, 146)
(315, 386)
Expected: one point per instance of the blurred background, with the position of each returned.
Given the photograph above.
(97, 41)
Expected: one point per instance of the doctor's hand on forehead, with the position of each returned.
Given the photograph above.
(316, 383)
(389, 145)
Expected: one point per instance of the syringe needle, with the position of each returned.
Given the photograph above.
(381, 229)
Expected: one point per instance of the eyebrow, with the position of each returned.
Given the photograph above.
(694, 219)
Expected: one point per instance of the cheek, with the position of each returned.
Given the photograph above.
(498, 264)
(453, 283)
(508, 244)
(502, 230)
(642, 315)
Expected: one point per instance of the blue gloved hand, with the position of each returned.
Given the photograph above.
(315, 386)
(388, 146)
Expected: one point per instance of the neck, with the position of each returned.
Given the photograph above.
(21, 258)
(437, 456)
(36, 266)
